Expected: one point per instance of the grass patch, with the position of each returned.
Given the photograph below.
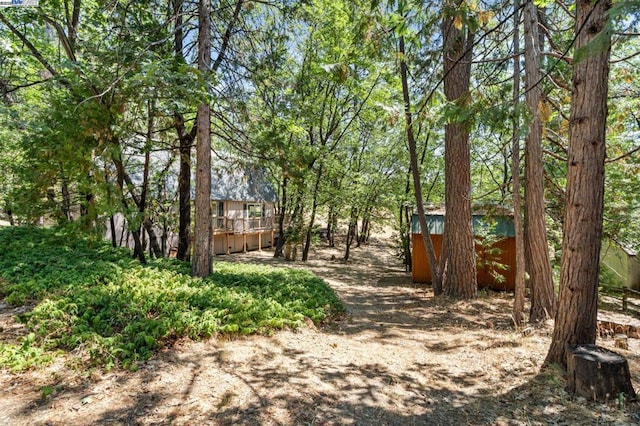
(97, 301)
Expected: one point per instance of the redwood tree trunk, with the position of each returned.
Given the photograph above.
(458, 245)
(577, 312)
(201, 261)
(518, 302)
(543, 302)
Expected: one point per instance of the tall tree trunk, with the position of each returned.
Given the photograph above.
(201, 262)
(314, 208)
(363, 235)
(351, 232)
(436, 272)
(332, 225)
(185, 140)
(154, 247)
(138, 249)
(543, 302)
(137, 200)
(458, 244)
(66, 197)
(518, 303)
(184, 188)
(578, 308)
(283, 208)
(114, 237)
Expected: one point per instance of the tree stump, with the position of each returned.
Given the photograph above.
(598, 373)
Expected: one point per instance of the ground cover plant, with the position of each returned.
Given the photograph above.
(112, 311)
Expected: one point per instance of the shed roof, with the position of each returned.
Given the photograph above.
(495, 224)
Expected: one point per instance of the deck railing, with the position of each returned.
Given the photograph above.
(241, 225)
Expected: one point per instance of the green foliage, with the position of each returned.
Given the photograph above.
(20, 357)
(487, 239)
(97, 301)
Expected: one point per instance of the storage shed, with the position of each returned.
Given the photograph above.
(495, 259)
(623, 262)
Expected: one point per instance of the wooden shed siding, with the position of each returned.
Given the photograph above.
(422, 273)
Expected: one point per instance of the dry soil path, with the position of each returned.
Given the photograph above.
(399, 357)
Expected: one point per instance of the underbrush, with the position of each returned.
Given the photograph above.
(111, 311)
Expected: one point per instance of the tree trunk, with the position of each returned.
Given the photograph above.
(407, 239)
(66, 198)
(436, 272)
(137, 200)
(281, 234)
(314, 207)
(543, 302)
(138, 250)
(184, 189)
(577, 313)
(201, 262)
(186, 141)
(332, 225)
(458, 256)
(351, 233)
(363, 235)
(518, 303)
(114, 237)
(154, 246)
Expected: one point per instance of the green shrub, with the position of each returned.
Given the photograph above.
(96, 301)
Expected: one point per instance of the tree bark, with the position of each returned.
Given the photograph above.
(436, 272)
(351, 232)
(283, 208)
(201, 261)
(543, 302)
(518, 303)
(66, 197)
(138, 249)
(314, 208)
(185, 140)
(577, 313)
(458, 256)
(184, 189)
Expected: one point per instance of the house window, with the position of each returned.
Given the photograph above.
(217, 213)
(253, 210)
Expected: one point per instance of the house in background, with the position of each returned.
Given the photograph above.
(243, 206)
(623, 262)
(495, 256)
(243, 209)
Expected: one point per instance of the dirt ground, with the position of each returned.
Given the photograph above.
(399, 357)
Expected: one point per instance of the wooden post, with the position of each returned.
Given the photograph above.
(259, 240)
(597, 373)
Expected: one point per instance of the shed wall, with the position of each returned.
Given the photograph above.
(507, 248)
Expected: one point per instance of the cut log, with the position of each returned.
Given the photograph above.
(597, 373)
